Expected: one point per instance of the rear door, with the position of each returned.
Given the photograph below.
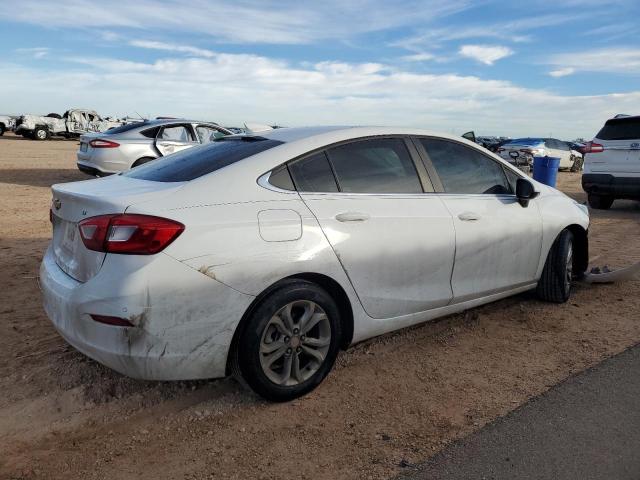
(173, 138)
(620, 138)
(498, 242)
(395, 242)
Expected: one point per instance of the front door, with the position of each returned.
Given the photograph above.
(498, 242)
(173, 138)
(395, 242)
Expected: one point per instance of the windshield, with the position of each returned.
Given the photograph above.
(201, 160)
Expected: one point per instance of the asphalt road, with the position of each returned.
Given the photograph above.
(587, 427)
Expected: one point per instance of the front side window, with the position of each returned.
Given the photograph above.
(464, 170)
(208, 134)
(313, 174)
(177, 133)
(375, 166)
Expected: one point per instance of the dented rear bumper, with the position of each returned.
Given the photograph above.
(183, 320)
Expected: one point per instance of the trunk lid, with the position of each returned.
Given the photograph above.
(76, 201)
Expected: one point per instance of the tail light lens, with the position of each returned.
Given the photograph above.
(592, 147)
(101, 143)
(129, 233)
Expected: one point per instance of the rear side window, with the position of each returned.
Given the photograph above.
(150, 132)
(202, 159)
(375, 166)
(313, 174)
(465, 170)
(626, 128)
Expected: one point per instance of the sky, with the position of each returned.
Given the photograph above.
(536, 68)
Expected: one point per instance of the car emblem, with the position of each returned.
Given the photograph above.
(57, 203)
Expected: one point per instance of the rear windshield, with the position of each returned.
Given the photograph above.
(123, 128)
(620, 129)
(201, 160)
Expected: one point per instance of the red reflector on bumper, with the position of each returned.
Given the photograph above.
(117, 321)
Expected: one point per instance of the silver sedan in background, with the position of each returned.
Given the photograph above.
(122, 148)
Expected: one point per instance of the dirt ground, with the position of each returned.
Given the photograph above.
(389, 403)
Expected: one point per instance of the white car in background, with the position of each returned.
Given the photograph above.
(122, 148)
(522, 151)
(612, 162)
(263, 255)
(7, 123)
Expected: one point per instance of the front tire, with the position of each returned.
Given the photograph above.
(600, 202)
(2, 130)
(290, 342)
(555, 282)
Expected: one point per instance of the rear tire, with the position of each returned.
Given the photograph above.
(555, 282)
(290, 342)
(142, 161)
(1, 130)
(600, 202)
(40, 133)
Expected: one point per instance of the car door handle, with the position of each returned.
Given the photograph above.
(352, 217)
(468, 216)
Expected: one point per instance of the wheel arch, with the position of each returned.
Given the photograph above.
(332, 287)
(581, 248)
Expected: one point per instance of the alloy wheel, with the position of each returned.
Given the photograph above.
(295, 343)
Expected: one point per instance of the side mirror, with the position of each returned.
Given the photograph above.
(525, 191)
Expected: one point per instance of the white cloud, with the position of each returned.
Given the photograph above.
(36, 52)
(608, 60)
(237, 21)
(562, 72)
(170, 47)
(517, 30)
(418, 57)
(234, 88)
(487, 54)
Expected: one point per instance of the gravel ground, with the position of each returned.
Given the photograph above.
(390, 403)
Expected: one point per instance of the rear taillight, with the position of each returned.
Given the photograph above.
(101, 143)
(592, 147)
(128, 233)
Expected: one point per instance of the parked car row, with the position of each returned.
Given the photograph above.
(522, 151)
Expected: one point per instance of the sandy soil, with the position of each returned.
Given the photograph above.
(388, 404)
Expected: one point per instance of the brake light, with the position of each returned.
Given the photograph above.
(128, 233)
(592, 147)
(101, 143)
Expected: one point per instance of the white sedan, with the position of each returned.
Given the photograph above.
(265, 255)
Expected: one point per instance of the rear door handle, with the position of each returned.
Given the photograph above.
(352, 217)
(469, 216)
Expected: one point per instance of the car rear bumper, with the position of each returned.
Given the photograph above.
(610, 185)
(183, 320)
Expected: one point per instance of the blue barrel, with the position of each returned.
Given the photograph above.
(545, 170)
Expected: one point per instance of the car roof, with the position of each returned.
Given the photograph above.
(330, 134)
